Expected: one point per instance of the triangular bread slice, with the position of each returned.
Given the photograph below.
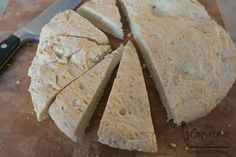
(70, 23)
(65, 24)
(75, 56)
(74, 106)
(191, 58)
(126, 122)
(105, 15)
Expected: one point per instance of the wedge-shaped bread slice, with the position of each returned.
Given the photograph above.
(126, 122)
(65, 24)
(70, 23)
(105, 15)
(74, 106)
(192, 60)
(75, 56)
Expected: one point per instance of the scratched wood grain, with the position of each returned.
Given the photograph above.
(22, 136)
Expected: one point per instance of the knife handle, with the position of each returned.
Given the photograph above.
(8, 48)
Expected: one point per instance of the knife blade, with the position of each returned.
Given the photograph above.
(31, 31)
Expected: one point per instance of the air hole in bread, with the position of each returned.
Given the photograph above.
(122, 112)
(62, 108)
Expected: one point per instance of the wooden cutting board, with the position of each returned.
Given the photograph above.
(22, 136)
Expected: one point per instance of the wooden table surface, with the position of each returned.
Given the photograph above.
(22, 136)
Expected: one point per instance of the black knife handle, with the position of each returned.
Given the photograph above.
(8, 48)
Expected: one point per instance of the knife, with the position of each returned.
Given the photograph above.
(31, 31)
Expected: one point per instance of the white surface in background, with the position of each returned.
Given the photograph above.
(228, 11)
(3, 5)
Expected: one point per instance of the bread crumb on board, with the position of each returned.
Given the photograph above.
(173, 145)
(186, 148)
(18, 82)
(222, 132)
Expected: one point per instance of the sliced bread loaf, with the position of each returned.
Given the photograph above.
(69, 46)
